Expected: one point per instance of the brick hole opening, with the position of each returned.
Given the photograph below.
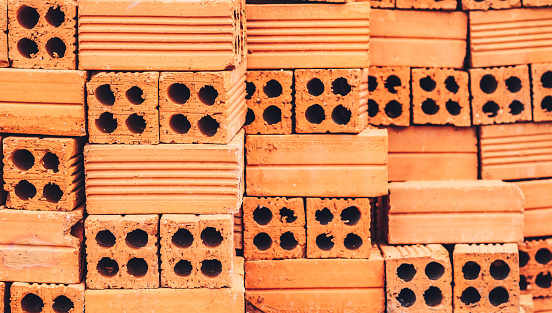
(55, 16)
(546, 79)
(262, 215)
(546, 104)
(543, 280)
(135, 95)
(272, 88)
(513, 84)
(451, 84)
(62, 304)
(393, 109)
(373, 108)
(211, 237)
(137, 267)
(429, 107)
(77, 230)
(323, 216)
(340, 86)
(543, 256)
(56, 48)
(433, 296)
(470, 296)
(183, 238)
(287, 215)
(341, 115)
(105, 95)
(350, 216)
(406, 272)
(325, 242)
(32, 303)
(208, 95)
(211, 268)
(178, 93)
(135, 123)
(392, 82)
(208, 126)
(352, 242)
(27, 16)
(516, 107)
(522, 282)
(272, 115)
(183, 268)
(406, 297)
(25, 190)
(52, 192)
(434, 270)
(453, 107)
(523, 258)
(27, 48)
(262, 241)
(180, 124)
(372, 83)
(23, 159)
(498, 296)
(491, 108)
(107, 267)
(499, 270)
(488, 84)
(105, 239)
(137, 238)
(315, 114)
(249, 117)
(106, 123)
(471, 270)
(315, 87)
(250, 89)
(50, 161)
(288, 241)
(428, 84)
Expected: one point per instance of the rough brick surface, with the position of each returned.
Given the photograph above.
(389, 96)
(269, 102)
(123, 107)
(43, 173)
(535, 267)
(381, 3)
(449, 5)
(537, 211)
(47, 298)
(3, 194)
(338, 228)
(42, 34)
(122, 251)
(500, 95)
(4, 62)
(418, 278)
(486, 278)
(274, 228)
(541, 76)
(471, 5)
(2, 296)
(536, 3)
(440, 96)
(238, 231)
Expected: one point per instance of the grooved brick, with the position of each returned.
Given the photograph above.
(535, 267)
(47, 298)
(448, 5)
(389, 96)
(122, 251)
(537, 211)
(541, 76)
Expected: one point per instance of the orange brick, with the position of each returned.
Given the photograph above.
(238, 231)
(449, 5)
(338, 228)
(268, 102)
(42, 34)
(125, 35)
(2, 191)
(486, 278)
(526, 304)
(2, 296)
(4, 61)
(536, 3)
(541, 76)
(381, 3)
(418, 278)
(471, 5)
(202, 107)
(273, 159)
(274, 228)
(331, 101)
(440, 96)
(47, 298)
(389, 96)
(378, 220)
(537, 211)
(121, 251)
(542, 305)
(500, 95)
(43, 102)
(123, 107)
(535, 267)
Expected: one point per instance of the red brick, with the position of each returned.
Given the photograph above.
(47, 298)
(2, 296)
(541, 76)
(238, 231)
(542, 305)
(537, 210)
(535, 267)
(536, 3)
(4, 62)
(381, 3)
(470, 5)
(449, 5)
(389, 96)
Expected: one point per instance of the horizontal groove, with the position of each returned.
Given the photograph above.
(429, 153)
(42, 103)
(342, 39)
(510, 33)
(114, 20)
(123, 165)
(154, 52)
(156, 38)
(514, 161)
(356, 166)
(147, 196)
(306, 31)
(454, 212)
(497, 25)
(508, 46)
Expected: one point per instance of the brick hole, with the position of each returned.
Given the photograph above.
(340, 86)
(32, 303)
(352, 241)
(107, 267)
(513, 84)
(471, 270)
(323, 216)
(137, 239)
(516, 107)
(183, 268)
(488, 84)
(406, 297)
(77, 230)
(499, 270)
(211, 237)
(211, 268)
(406, 272)
(208, 126)
(325, 242)
(546, 104)
(546, 79)
(62, 304)
(55, 16)
(543, 256)
(498, 296)
(428, 84)
(429, 107)
(350, 216)
(27, 17)
(523, 258)
(453, 107)
(470, 296)
(183, 238)
(433, 296)
(315, 87)
(25, 190)
(27, 48)
(341, 115)
(135, 123)
(543, 280)
(262, 241)
(434, 270)
(393, 109)
(272, 115)
(137, 267)
(52, 192)
(249, 117)
(372, 83)
(105, 239)
(56, 48)
(180, 124)
(106, 123)
(135, 95)
(23, 159)
(105, 95)
(522, 282)
(288, 241)
(491, 108)
(315, 114)
(262, 215)
(272, 88)
(50, 161)
(208, 95)
(451, 84)
(392, 82)
(373, 108)
(287, 215)
(250, 89)
(178, 93)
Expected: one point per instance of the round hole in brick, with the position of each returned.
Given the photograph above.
(522, 282)
(180, 124)
(453, 107)
(105, 95)
(105, 238)
(288, 241)
(62, 304)
(429, 107)
(272, 88)
(352, 241)
(428, 84)
(55, 16)
(325, 242)
(392, 82)
(50, 161)
(272, 115)
(27, 48)
(249, 117)
(372, 83)
(135, 95)
(513, 84)
(135, 123)
(406, 297)
(341, 87)
(32, 303)
(523, 258)
(543, 256)
(341, 115)
(262, 241)
(498, 296)
(250, 89)
(178, 93)
(470, 296)
(451, 85)
(433, 296)
(207, 95)
(499, 270)
(262, 215)
(183, 268)
(516, 107)
(488, 84)
(211, 237)
(27, 16)
(211, 268)
(373, 108)
(183, 238)
(137, 238)
(406, 272)
(25, 190)
(324, 216)
(56, 48)
(52, 192)
(137, 267)
(208, 126)
(434, 270)
(491, 108)
(287, 215)
(546, 104)
(471, 270)
(106, 123)
(107, 267)
(350, 216)
(393, 109)
(546, 79)
(315, 87)
(315, 114)
(23, 159)
(543, 280)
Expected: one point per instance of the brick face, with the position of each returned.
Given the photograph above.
(49, 298)
(389, 96)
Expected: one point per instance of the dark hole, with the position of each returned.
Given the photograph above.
(325, 242)
(52, 193)
(178, 93)
(373, 108)
(183, 238)
(262, 215)
(211, 237)
(262, 241)
(433, 296)
(27, 17)
(62, 304)
(107, 267)
(208, 126)
(272, 89)
(137, 267)
(430, 107)
(341, 87)
(491, 108)
(352, 241)
(56, 48)
(499, 270)
(434, 270)
(428, 84)
(341, 115)
(516, 107)
(350, 215)
(105, 95)
(543, 280)
(105, 239)
(288, 241)
(392, 82)
(25, 190)
(324, 216)
(522, 282)
(470, 296)
(250, 90)
(32, 303)
(543, 256)
(136, 123)
(453, 107)
(406, 272)
(523, 258)
(211, 268)
(451, 85)
(137, 238)
(27, 48)
(546, 80)
(23, 159)
(183, 268)
(208, 95)
(180, 124)
(287, 215)
(272, 115)
(315, 114)
(372, 83)
(406, 297)
(393, 109)
(250, 117)
(488, 84)
(513, 84)
(55, 16)
(50, 161)
(315, 87)
(135, 95)
(498, 296)
(546, 103)
(471, 270)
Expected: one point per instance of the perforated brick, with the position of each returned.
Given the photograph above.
(47, 298)
(541, 75)
(389, 96)
(535, 267)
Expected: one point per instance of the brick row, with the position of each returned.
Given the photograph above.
(48, 298)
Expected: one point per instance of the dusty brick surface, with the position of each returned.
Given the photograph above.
(238, 231)
(472, 5)
(47, 298)
(2, 296)
(384, 4)
(541, 76)
(535, 267)
(448, 5)
(389, 96)
(4, 62)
